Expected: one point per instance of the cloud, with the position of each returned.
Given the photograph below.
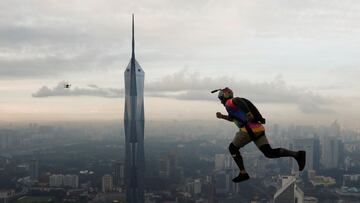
(311, 107)
(90, 90)
(184, 85)
(78, 36)
(191, 86)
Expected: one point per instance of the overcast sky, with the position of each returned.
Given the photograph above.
(298, 61)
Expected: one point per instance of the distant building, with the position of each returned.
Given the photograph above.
(34, 170)
(6, 196)
(197, 186)
(222, 182)
(310, 200)
(194, 187)
(322, 181)
(348, 163)
(335, 129)
(60, 180)
(71, 181)
(168, 165)
(312, 148)
(353, 146)
(219, 162)
(119, 174)
(351, 180)
(289, 192)
(56, 180)
(332, 152)
(3, 139)
(7, 138)
(107, 183)
(164, 171)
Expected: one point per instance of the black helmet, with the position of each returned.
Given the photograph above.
(224, 94)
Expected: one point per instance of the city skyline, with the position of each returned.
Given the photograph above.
(80, 162)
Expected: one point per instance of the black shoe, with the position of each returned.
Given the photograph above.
(241, 177)
(301, 160)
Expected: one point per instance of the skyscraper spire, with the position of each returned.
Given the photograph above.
(133, 39)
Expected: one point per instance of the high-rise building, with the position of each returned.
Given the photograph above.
(194, 187)
(335, 129)
(119, 174)
(71, 181)
(6, 196)
(312, 148)
(219, 162)
(134, 129)
(222, 180)
(56, 180)
(107, 183)
(332, 152)
(4, 138)
(289, 192)
(164, 171)
(34, 170)
(168, 167)
(197, 186)
(347, 163)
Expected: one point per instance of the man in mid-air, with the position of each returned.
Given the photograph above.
(246, 116)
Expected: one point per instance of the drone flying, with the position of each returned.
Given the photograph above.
(67, 85)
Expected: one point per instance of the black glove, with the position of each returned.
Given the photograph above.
(262, 121)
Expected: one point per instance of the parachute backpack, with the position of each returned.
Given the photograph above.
(253, 110)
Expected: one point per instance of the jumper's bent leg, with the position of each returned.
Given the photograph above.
(277, 152)
(281, 152)
(235, 153)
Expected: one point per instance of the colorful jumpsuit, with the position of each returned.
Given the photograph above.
(240, 114)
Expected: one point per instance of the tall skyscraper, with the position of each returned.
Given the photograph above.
(107, 183)
(312, 148)
(34, 170)
(222, 182)
(332, 152)
(219, 162)
(118, 175)
(168, 167)
(134, 129)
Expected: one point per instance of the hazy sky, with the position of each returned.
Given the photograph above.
(298, 61)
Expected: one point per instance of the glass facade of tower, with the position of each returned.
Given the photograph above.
(134, 132)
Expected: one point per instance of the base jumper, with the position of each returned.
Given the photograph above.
(247, 117)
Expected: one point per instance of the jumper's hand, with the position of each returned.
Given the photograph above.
(219, 115)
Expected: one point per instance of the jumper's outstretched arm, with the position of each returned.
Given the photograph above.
(225, 117)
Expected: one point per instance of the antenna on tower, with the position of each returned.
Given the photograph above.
(133, 40)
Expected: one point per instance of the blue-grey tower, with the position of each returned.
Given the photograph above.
(134, 129)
